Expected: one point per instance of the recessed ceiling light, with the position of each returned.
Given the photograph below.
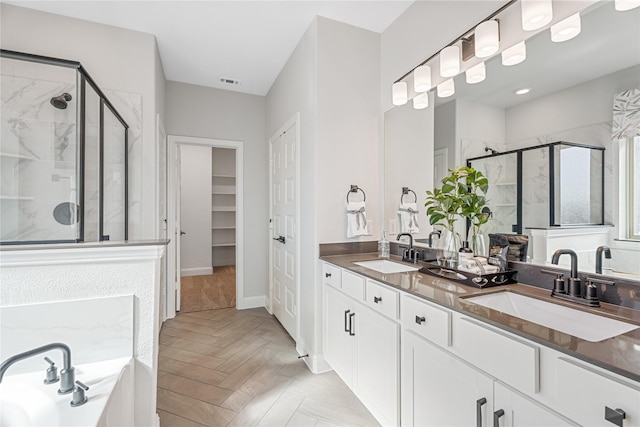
(522, 91)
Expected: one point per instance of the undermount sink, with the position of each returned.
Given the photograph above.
(578, 323)
(385, 266)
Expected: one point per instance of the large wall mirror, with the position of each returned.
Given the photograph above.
(572, 86)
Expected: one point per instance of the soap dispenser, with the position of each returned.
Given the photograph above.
(383, 246)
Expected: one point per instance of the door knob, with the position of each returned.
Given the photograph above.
(280, 239)
(182, 233)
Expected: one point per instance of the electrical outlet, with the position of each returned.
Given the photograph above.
(393, 226)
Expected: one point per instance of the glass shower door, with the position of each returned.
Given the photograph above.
(114, 177)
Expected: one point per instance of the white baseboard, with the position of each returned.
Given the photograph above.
(250, 302)
(316, 363)
(200, 271)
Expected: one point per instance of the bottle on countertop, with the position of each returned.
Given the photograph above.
(465, 252)
(383, 246)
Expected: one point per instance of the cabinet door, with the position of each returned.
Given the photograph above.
(377, 355)
(339, 344)
(438, 389)
(520, 411)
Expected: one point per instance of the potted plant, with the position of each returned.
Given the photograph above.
(462, 194)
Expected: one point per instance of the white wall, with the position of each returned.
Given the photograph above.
(118, 60)
(195, 210)
(219, 114)
(330, 79)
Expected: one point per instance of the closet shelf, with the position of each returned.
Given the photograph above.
(221, 245)
(223, 209)
(223, 189)
(223, 176)
(223, 228)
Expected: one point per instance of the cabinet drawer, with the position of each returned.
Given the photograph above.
(507, 358)
(584, 393)
(331, 275)
(427, 320)
(382, 299)
(353, 285)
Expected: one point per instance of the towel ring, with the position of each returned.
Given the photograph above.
(355, 189)
(405, 191)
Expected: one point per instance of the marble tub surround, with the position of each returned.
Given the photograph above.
(53, 273)
(620, 354)
(50, 408)
(95, 329)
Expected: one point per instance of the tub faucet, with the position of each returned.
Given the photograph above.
(607, 254)
(574, 281)
(67, 375)
(410, 254)
(435, 232)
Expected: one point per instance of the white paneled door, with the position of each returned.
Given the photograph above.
(284, 218)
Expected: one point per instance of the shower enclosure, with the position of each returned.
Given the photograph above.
(550, 185)
(63, 155)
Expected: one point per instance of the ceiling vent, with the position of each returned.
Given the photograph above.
(228, 81)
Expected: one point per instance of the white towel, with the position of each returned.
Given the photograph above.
(472, 267)
(408, 216)
(356, 219)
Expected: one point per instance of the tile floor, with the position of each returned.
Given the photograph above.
(233, 367)
(217, 290)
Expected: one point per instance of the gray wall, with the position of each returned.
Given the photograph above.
(219, 114)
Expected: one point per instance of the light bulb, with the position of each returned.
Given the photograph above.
(486, 39)
(446, 88)
(622, 5)
(422, 78)
(421, 101)
(536, 14)
(450, 61)
(476, 74)
(515, 54)
(399, 91)
(566, 29)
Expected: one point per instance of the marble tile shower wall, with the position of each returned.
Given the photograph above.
(37, 152)
(38, 155)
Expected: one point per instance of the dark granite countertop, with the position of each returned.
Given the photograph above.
(620, 354)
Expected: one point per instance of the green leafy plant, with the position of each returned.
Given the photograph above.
(463, 194)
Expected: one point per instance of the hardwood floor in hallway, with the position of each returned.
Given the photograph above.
(233, 367)
(208, 292)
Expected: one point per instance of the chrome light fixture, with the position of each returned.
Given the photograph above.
(450, 61)
(421, 101)
(487, 39)
(476, 74)
(622, 5)
(422, 78)
(566, 29)
(515, 54)
(399, 93)
(536, 14)
(446, 88)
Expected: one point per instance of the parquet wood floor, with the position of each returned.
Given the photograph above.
(233, 367)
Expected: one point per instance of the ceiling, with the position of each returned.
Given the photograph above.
(203, 41)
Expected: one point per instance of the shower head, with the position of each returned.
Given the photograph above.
(60, 101)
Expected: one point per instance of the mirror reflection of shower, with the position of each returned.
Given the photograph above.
(60, 101)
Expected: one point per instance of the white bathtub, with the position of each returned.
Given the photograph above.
(26, 401)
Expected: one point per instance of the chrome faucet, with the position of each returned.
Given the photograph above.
(607, 254)
(437, 233)
(410, 255)
(67, 375)
(574, 281)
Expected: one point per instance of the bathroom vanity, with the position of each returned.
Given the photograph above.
(422, 350)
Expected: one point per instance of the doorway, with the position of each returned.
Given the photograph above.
(205, 223)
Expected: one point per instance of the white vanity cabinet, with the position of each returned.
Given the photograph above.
(417, 363)
(363, 345)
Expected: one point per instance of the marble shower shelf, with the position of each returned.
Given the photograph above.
(503, 183)
(18, 198)
(17, 156)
